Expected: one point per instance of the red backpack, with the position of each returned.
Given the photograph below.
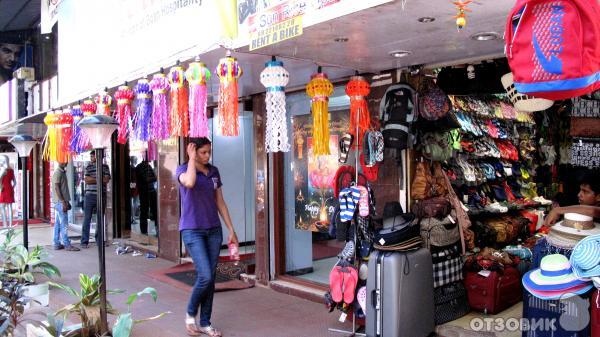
(553, 47)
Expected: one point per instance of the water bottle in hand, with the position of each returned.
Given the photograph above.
(234, 252)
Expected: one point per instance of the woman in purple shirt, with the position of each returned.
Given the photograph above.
(201, 203)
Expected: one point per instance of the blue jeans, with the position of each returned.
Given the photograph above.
(89, 207)
(204, 246)
(61, 224)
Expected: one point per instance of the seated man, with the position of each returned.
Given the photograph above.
(589, 200)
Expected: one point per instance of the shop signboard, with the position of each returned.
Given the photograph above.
(256, 15)
(314, 175)
(276, 33)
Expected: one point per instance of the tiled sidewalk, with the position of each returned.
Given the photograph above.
(251, 312)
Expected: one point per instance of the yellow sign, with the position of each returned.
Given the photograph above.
(276, 33)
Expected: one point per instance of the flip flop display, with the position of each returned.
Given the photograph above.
(363, 203)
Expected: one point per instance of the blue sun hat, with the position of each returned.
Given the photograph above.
(554, 275)
(585, 258)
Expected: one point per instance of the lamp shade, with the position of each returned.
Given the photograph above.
(99, 129)
(23, 144)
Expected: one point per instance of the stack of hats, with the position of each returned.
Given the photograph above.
(574, 228)
(585, 259)
(399, 232)
(554, 279)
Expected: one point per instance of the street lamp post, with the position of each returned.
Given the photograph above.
(99, 129)
(24, 144)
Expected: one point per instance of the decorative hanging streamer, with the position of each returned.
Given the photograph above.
(143, 114)
(124, 97)
(197, 75)
(152, 151)
(228, 71)
(57, 140)
(319, 89)
(160, 110)
(179, 103)
(357, 89)
(103, 103)
(65, 129)
(81, 140)
(275, 78)
(51, 137)
(77, 145)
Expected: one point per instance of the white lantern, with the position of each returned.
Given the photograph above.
(274, 77)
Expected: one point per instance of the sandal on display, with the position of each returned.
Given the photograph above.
(363, 202)
(345, 144)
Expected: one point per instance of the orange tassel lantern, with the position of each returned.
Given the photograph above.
(357, 89)
(103, 103)
(228, 71)
(124, 97)
(179, 115)
(57, 141)
(319, 89)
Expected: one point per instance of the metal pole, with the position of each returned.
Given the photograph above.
(100, 240)
(25, 196)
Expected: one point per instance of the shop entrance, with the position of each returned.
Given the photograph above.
(141, 198)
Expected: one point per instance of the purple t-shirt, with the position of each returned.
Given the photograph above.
(198, 204)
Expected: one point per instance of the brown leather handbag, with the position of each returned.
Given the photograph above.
(437, 207)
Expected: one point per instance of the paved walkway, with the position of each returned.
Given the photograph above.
(251, 312)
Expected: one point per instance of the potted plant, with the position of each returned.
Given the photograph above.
(13, 302)
(24, 265)
(88, 310)
(87, 306)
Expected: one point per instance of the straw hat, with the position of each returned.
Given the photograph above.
(567, 237)
(523, 102)
(554, 279)
(585, 258)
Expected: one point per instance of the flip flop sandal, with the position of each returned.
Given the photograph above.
(348, 251)
(361, 296)
(350, 282)
(379, 145)
(191, 328)
(363, 203)
(336, 284)
(210, 331)
(345, 144)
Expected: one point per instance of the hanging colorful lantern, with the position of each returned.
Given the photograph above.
(319, 89)
(228, 71)
(461, 16)
(160, 110)
(275, 78)
(78, 143)
(103, 103)
(57, 140)
(179, 103)
(360, 120)
(88, 107)
(124, 97)
(197, 76)
(65, 130)
(143, 113)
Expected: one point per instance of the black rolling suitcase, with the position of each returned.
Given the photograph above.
(400, 294)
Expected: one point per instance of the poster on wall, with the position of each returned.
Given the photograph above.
(313, 176)
(15, 52)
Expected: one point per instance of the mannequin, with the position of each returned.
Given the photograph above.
(7, 190)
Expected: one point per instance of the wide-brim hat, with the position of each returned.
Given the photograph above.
(560, 294)
(523, 102)
(554, 275)
(585, 258)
